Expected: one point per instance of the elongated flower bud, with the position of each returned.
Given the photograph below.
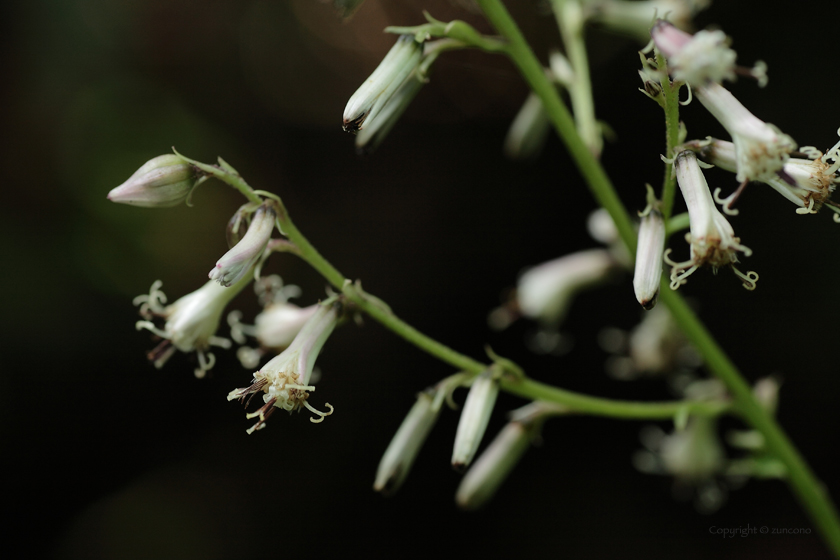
(406, 444)
(474, 419)
(649, 258)
(161, 182)
(696, 59)
(528, 131)
(374, 94)
(494, 465)
(239, 260)
(376, 129)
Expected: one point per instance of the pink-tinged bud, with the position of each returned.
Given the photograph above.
(240, 260)
(162, 182)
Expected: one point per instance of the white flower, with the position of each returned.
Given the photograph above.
(161, 182)
(696, 59)
(648, 270)
(285, 379)
(373, 95)
(711, 237)
(242, 257)
(761, 149)
(807, 182)
(546, 291)
(190, 323)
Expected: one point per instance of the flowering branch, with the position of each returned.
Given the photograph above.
(806, 486)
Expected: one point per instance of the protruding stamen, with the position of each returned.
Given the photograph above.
(318, 412)
(749, 279)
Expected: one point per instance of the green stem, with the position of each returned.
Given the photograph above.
(570, 22)
(522, 56)
(596, 406)
(671, 96)
(805, 485)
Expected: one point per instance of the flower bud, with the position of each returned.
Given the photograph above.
(410, 437)
(375, 130)
(649, 258)
(161, 182)
(374, 94)
(239, 260)
(494, 465)
(528, 131)
(474, 419)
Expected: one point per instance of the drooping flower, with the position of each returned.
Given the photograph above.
(285, 380)
(711, 237)
(243, 256)
(161, 182)
(761, 149)
(190, 324)
(807, 182)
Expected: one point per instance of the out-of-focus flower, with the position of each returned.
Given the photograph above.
(636, 17)
(190, 323)
(474, 418)
(545, 292)
(495, 464)
(161, 182)
(406, 444)
(373, 95)
(285, 380)
(712, 238)
(528, 131)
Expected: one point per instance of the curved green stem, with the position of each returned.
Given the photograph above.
(530, 68)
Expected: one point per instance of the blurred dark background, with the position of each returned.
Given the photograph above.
(107, 457)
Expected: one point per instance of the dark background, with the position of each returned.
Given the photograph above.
(107, 457)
